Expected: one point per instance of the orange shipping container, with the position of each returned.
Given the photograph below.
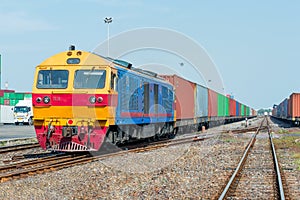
(232, 107)
(185, 96)
(294, 105)
(212, 103)
(6, 102)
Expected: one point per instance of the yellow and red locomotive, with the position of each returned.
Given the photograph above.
(80, 99)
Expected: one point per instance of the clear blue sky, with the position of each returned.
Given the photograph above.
(254, 44)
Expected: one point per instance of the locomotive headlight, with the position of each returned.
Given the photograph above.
(99, 99)
(92, 99)
(46, 99)
(38, 100)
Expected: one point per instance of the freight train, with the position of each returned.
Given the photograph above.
(81, 99)
(288, 110)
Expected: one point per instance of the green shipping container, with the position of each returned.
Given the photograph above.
(12, 96)
(27, 96)
(242, 110)
(227, 106)
(6, 95)
(247, 111)
(19, 96)
(1, 100)
(223, 106)
(13, 102)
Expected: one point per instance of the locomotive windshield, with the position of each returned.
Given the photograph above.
(89, 79)
(50, 79)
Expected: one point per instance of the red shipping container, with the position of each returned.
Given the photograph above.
(212, 103)
(185, 96)
(232, 107)
(294, 105)
(1, 93)
(8, 91)
(6, 102)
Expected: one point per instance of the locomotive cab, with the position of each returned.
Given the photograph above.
(73, 98)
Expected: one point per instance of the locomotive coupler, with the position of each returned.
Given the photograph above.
(82, 133)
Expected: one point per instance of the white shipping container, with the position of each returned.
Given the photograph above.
(201, 101)
(6, 114)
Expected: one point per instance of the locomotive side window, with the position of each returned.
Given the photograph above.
(52, 79)
(89, 79)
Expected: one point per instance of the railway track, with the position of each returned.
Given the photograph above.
(41, 164)
(257, 175)
(18, 147)
(60, 161)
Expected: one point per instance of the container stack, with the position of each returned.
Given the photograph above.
(8, 99)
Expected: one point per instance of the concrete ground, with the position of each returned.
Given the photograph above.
(13, 131)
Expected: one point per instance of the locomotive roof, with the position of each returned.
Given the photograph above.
(91, 58)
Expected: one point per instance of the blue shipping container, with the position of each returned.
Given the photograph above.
(237, 109)
(201, 101)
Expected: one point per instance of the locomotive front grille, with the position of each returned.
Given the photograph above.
(70, 147)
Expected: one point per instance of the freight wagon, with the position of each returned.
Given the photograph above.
(198, 106)
(288, 110)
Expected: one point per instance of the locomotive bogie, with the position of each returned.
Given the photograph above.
(126, 133)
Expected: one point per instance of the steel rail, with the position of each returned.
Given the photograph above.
(18, 147)
(68, 162)
(279, 181)
(242, 161)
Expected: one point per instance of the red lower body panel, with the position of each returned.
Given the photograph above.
(77, 138)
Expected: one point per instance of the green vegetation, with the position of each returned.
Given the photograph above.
(2, 143)
(282, 131)
(297, 158)
(289, 142)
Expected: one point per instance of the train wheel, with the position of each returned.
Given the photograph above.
(110, 137)
(173, 132)
(108, 145)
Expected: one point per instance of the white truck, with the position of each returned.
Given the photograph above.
(23, 112)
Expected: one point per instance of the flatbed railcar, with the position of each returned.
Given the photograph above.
(81, 99)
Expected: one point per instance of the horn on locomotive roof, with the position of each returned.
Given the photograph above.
(120, 62)
(72, 48)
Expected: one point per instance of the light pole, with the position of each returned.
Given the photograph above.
(108, 20)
